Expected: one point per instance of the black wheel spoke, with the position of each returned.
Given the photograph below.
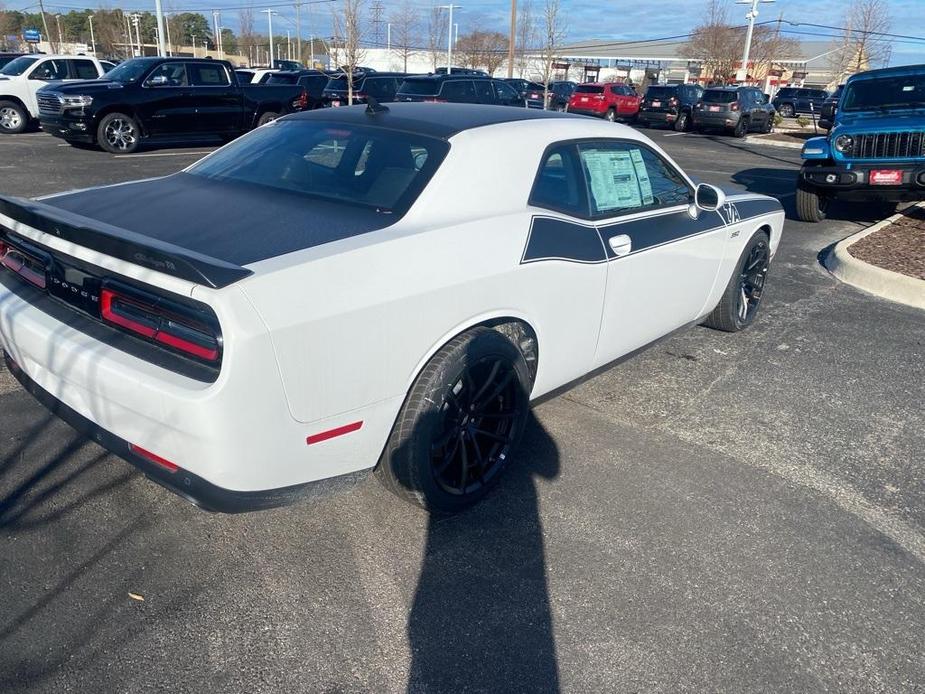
(510, 414)
(488, 381)
(490, 435)
(449, 457)
(500, 387)
(464, 476)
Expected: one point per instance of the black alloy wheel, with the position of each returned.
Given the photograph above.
(741, 299)
(477, 428)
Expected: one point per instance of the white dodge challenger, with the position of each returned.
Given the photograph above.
(354, 288)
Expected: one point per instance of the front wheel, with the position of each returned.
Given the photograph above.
(462, 420)
(266, 118)
(768, 125)
(739, 304)
(118, 133)
(811, 207)
(13, 118)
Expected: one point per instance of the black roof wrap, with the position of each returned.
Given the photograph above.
(233, 222)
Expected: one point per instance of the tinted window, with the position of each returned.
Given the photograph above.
(661, 92)
(50, 70)
(589, 89)
(558, 185)
(244, 76)
(202, 75)
(380, 87)
(420, 87)
(174, 73)
(283, 79)
(624, 177)
(484, 92)
(356, 165)
(107, 66)
(886, 92)
(314, 84)
(84, 69)
(505, 93)
(18, 66)
(787, 92)
(458, 90)
(720, 96)
(819, 94)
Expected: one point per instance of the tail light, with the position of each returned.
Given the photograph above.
(29, 267)
(734, 106)
(673, 101)
(154, 319)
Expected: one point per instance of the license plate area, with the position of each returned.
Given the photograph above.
(886, 177)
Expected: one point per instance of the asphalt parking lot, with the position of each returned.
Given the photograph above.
(721, 513)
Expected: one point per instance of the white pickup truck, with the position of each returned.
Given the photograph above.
(21, 78)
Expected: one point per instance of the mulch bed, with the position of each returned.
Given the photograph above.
(899, 247)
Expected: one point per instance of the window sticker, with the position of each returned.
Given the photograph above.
(613, 179)
(645, 185)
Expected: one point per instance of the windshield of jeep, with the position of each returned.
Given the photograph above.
(884, 93)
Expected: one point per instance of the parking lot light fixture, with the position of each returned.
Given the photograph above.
(742, 74)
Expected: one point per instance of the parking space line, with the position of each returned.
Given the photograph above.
(160, 154)
(674, 134)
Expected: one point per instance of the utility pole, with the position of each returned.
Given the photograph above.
(167, 24)
(512, 40)
(288, 45)
(216, 37)
(135, 18)
(449, 40)
(159, 11)
(45, 25)
(376, 11)
(58, 23)
(92, 38)
(193, 36)
(742, 74)
(298, 31)
(270, 14)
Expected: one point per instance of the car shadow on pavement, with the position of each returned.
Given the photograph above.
(481, 619)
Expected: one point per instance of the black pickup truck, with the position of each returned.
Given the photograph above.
(148, 99)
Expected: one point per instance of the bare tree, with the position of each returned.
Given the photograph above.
(526, 35)
(863, 42)
(405, 30)
(247, 38)
(348, 33)
(437, 26)
(717, 43)
(553, 34)
(481, 48)
(769, 47)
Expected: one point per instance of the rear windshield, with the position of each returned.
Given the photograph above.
(788, 91)
(661, 92)
(339, 84)
(367, 167)
(283, 79)
(425, 87)
(884, 93)
(589, 89)
(720, 96)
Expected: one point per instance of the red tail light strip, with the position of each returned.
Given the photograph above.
(154, 458)
(333, 433)
(16, 261)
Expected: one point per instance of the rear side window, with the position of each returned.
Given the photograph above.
(505, 92)
(786, 92)
(458, 90)
(202, 75)
(84, 69)
(380, 87)
(558, 184)
(623, 178)
(314, 84)
(419, 87)
(484, 92)
(282, 79)
(589, 89)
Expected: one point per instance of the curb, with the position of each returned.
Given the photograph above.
(870, 278)
(759, 140)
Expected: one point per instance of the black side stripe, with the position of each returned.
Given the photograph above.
(557, 239)
(648, 232)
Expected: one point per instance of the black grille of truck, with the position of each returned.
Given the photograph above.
(889, 145)
(49, 103)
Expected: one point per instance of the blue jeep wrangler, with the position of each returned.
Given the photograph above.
(875, 150)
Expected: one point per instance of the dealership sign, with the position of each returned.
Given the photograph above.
(31, 35)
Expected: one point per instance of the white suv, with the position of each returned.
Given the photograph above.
(21, 78)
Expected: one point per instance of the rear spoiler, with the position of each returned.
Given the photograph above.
(123, 244)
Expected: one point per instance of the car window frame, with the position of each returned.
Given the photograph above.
(584, 202)
(145, 82)
(40, 63)
(189, 80)
(72, 68)
(641, 210)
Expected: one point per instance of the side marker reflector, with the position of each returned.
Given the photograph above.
(332, 433)
(156, 459)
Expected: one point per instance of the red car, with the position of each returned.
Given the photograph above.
(610, 101)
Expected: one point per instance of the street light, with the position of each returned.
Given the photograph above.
(270, 14)
(167, 24)
(58, 22)
(742, 74)
(92, 39)
(449, 41)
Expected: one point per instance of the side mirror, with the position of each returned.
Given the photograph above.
(709, 198)
(157, 81)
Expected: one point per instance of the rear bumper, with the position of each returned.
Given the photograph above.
(838, 180)
(75, 128)
(586, 111)
(193, 488)
(725, 119)
(664, 117)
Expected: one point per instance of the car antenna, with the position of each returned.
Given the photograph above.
(373, 106)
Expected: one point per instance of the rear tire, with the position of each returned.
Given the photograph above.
(13, 118)
(266, 118)
(118, 133)
(682, 122)
(786, 110)
(741, 128)
(742, 298)
(611, 115)
(462, 419)
(811, 207)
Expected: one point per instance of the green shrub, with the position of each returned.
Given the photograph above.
(802, 121)
(778, 119)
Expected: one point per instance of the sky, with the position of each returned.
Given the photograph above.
(585, 19)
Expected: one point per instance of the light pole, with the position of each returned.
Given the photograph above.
(159, 11)
(511, 40)
(742, 73)
(288, 45)
(449, 39)
(216, 36)
(167, 24)
(270, 14)
(92, 38)
(135, 19)
(58, 22)
(193, 36)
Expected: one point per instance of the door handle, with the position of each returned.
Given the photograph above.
(621, 244)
